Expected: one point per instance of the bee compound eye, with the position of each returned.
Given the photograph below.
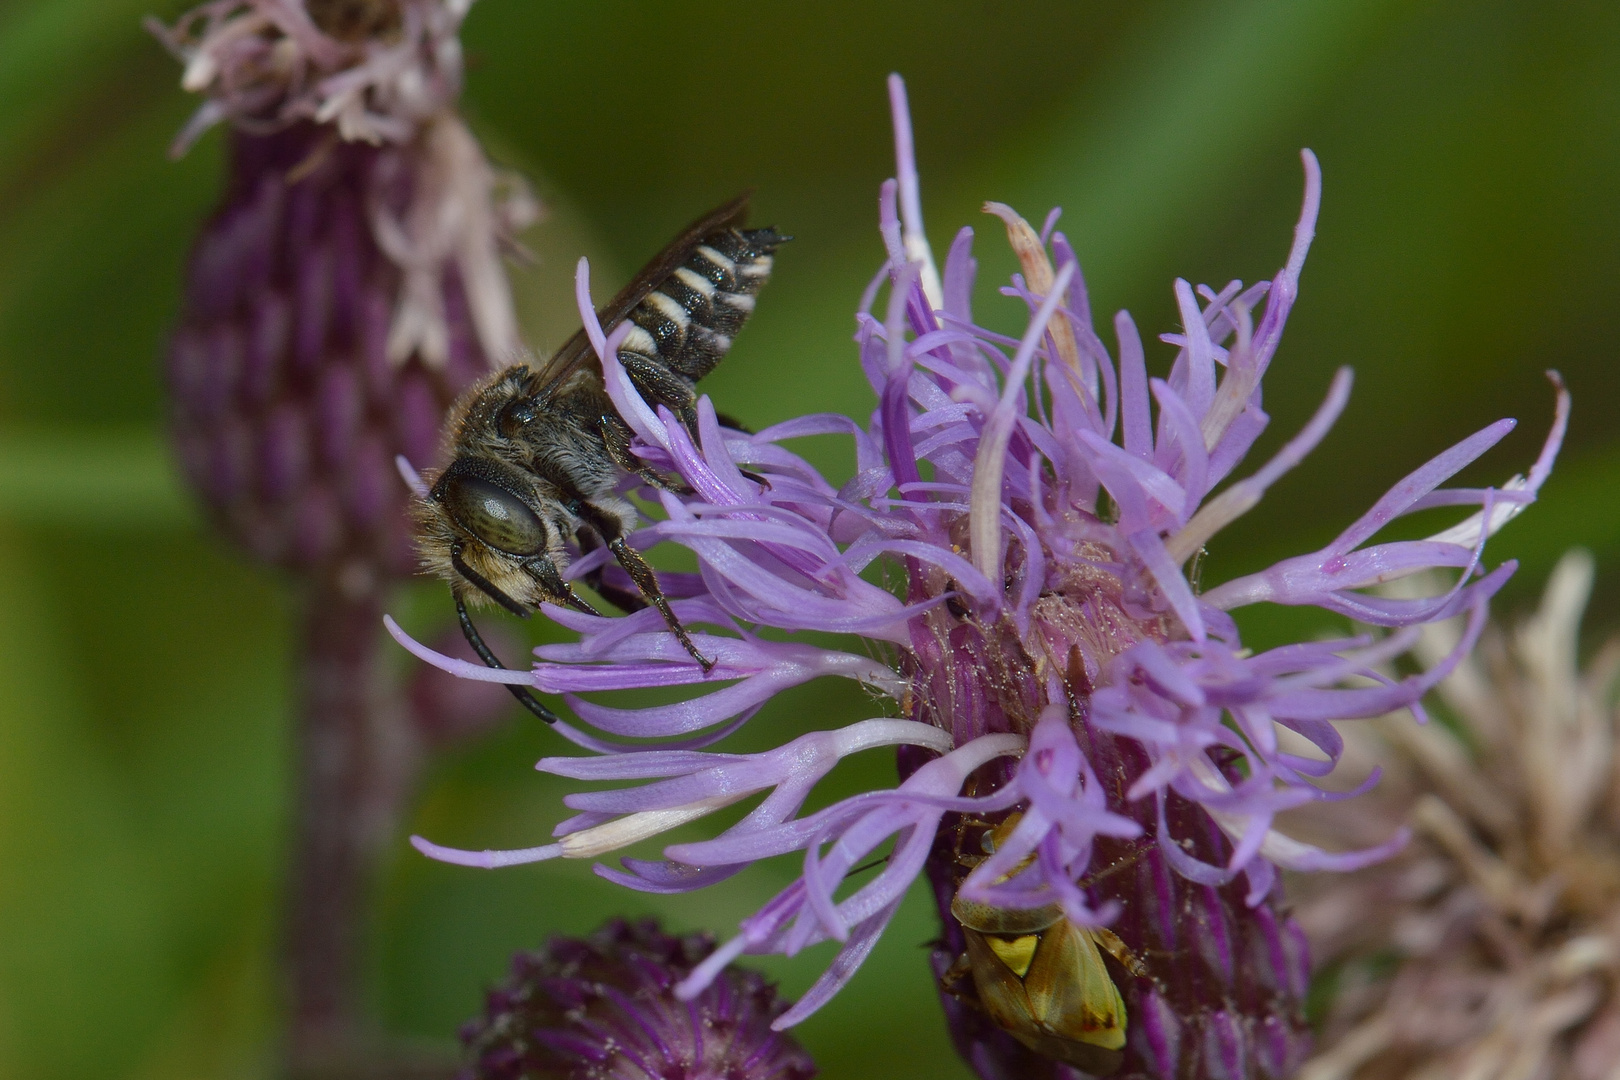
(493, 514)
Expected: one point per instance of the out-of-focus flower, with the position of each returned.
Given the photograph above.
(351, 283)
(1047, 650)
(604, 1008)
(347, 289)
(1491, 948)
(446, 710)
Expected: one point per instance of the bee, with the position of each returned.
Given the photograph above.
(537, 453)
(1041, 978)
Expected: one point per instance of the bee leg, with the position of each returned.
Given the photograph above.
(661, 386)
(616, 437)
(484, 585)
(642, 574)
(623, 599)
(525, 697)
(544, 571)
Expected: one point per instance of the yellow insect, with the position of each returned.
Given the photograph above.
(1042, 978)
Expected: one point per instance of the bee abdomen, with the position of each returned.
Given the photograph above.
(687, 323)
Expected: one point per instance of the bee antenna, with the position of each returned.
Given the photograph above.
(525, 697)
(869, 866)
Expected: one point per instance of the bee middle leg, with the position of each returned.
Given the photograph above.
(623, 599)
(609, 528)
(641, 572)
(616, 438)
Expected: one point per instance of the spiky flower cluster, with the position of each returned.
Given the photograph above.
(604, 1008)
(351, 283)
(1503, 917)
(1042, 498)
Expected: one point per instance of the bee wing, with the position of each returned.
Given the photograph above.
(577, 351)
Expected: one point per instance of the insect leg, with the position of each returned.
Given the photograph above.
(525, 697)
(1110, 942)
(543, 570)
(661, 386)
(642, 574)
(957, 980)
(616, 437)
(623, 599)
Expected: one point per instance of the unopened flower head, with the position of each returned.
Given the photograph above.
(1042, 497)
(351, 283)
(1503, 917)
(605, 1008)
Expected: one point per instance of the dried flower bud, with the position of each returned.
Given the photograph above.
(604, 1008)
(1503, 918)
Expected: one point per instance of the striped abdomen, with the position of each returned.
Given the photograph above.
(684, 326)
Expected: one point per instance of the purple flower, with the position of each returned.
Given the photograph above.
(1049, 654)
(349, 286)
(604, 1008)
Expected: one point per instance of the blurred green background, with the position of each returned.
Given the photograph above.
(1470, 238)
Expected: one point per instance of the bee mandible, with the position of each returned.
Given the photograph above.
(537, 453)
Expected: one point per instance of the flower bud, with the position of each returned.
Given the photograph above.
(604, 1008)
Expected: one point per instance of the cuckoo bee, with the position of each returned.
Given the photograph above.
(1040, 977)
(537, 452)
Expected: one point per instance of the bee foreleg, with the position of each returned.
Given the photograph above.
(544, 571)
(642, 574)
(484, 585)
(525, 697)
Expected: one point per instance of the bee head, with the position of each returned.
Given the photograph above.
(498, 533)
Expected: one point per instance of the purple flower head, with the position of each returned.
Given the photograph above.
(349, 286)
(604, 1008)
(1042, 497)
(347, 289)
